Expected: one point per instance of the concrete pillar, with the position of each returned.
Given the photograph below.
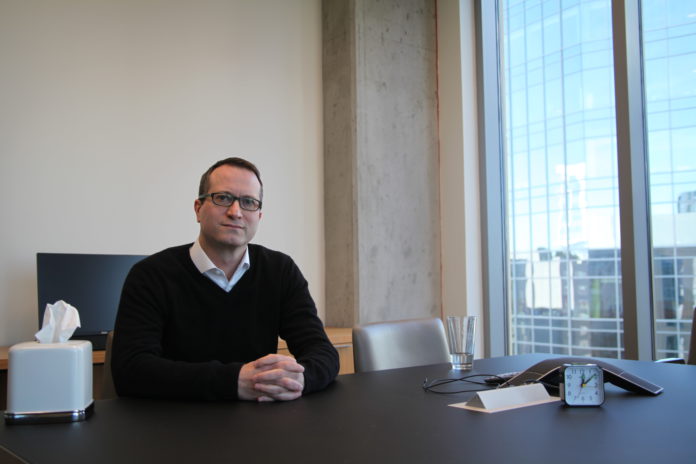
(381, 166)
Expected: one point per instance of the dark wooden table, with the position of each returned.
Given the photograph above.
(381, 417)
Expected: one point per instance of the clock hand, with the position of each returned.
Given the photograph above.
(591, 377)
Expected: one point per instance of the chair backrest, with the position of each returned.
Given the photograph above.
(390, 345)
(108, 389)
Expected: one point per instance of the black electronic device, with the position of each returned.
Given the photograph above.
(547, 372)
(91, 283)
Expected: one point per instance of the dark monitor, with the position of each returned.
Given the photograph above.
(90, 283)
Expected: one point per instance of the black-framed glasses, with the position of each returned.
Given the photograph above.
(226, 199)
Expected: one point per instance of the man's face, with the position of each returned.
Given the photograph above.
(228, 227)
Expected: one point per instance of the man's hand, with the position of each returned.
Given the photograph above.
(274, 377)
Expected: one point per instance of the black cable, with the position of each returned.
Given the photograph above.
(436, 383)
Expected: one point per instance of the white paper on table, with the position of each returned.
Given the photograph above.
(505, 399)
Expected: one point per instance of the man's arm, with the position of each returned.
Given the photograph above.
(304, 333)
(138, 365)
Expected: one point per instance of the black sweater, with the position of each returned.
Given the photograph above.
(179, 335)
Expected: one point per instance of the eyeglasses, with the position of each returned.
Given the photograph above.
(227, 199)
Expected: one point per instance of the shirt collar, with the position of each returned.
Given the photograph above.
(204, 264)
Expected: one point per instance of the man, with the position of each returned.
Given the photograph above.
(202, 320)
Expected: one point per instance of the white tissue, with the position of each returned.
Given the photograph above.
(59, 322)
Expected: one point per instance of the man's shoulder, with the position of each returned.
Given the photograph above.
(274, 265)
(262, 253)
(270, 260)
(167, 258)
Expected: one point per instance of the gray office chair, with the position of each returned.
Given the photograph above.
(692, 344)
(691, 359)
(692, 348)
(389, 345)
(108, 389)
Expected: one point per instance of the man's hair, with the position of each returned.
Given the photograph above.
(233, 161)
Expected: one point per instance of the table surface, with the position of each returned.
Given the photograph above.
(385, 417)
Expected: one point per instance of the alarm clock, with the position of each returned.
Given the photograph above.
(581, 384)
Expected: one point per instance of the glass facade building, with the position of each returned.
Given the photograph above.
(561, 174)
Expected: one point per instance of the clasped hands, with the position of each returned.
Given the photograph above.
(274, 377)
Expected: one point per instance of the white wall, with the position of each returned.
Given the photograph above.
(111, 110)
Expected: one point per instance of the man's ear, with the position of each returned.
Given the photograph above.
(196, 207)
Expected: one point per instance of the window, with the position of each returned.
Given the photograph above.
(558, 147)
(669, 63)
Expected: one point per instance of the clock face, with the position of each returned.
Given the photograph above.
(583, 385)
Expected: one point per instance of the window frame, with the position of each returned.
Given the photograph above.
(634, 212)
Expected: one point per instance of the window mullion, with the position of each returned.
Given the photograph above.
(633, 181)
(494, 253)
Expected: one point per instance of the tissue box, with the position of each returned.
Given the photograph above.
(49, 382)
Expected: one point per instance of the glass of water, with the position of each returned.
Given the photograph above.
(460, 339)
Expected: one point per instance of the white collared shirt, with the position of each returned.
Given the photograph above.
(214, 273)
